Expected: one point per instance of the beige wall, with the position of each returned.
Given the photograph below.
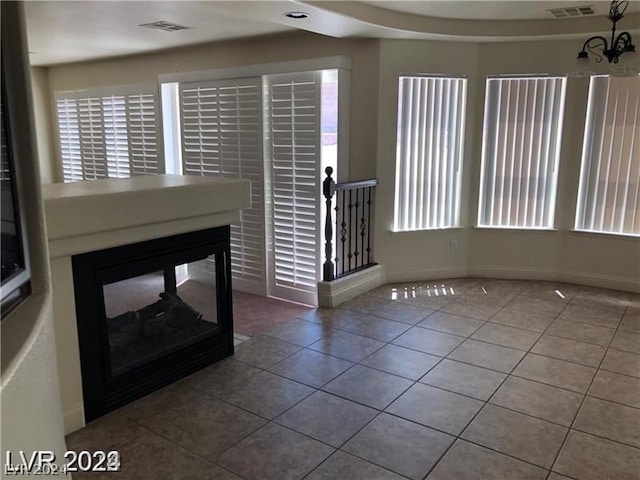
(376, 64)
(44, 135)
(425, 254)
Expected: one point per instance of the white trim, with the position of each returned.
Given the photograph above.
(579, 278)
(322, 63)
(331, 294)
(426, 274)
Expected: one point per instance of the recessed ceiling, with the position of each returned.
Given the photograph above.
(493, 10)
(72, 31)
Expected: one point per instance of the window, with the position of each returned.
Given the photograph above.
(109, 133)
(609, 194)
(520, 151)
(431, 114)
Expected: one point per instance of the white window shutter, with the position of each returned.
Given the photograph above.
(294, 153)
(521, 150)
(69, 139)
(110, 132)
(92, 138)
(609, 194)
(144, 133)
(222, 136)
(115, 121)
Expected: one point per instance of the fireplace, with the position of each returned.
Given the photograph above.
(149, 313)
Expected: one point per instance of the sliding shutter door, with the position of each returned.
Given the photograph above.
(294, 149)
(222, 136)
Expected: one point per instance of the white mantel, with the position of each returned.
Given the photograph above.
(93, 215)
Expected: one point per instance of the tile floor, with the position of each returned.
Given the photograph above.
(495, 379)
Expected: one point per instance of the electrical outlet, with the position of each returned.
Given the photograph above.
(453, 246)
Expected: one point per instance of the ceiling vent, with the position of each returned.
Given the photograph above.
(569, 12)
(164, 26)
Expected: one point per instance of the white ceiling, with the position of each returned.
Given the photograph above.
(71, 31)
(493, 10)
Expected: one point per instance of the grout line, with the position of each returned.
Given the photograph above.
(555, 460)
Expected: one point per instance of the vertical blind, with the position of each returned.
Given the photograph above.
(431, 115)
(520, 151)
(609, 194)
(109, 133)
(294, 148)
(222, 136)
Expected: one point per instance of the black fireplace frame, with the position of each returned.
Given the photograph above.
(103, 393)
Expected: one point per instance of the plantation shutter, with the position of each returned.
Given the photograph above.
(111, 132)
(69, 139)
(144, 141)
(294, 148)
(609, 195)
(222, 136)
(92, 138)
(115, 122)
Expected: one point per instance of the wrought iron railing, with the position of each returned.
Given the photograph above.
(353, 206)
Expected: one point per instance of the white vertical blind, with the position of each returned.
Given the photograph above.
(609, 194)
(431, 115)
(520, 151)
(222, 136)
(111, 132)
(293, 145)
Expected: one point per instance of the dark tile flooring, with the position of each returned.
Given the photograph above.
(459, 379)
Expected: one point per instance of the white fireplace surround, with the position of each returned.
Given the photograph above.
(93, 215)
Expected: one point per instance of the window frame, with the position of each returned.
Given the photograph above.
(402, 207)
(548, 213)
(102, 93)
(588, 160)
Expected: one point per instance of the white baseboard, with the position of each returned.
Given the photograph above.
(602, 281)
(580, 278)
(516, 273)
(73, 420)
(332, 294)
(431, 274)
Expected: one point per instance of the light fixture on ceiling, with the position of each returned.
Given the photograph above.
(297, 15)
(619, 44)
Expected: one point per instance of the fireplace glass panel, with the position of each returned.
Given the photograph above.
(152, 315)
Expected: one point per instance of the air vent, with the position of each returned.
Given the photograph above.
(164, 26)
(569, 12)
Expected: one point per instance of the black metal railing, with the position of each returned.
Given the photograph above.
(353, 204)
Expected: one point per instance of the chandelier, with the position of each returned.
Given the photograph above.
(619, 44)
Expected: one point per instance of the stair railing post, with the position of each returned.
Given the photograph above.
(328, 190)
